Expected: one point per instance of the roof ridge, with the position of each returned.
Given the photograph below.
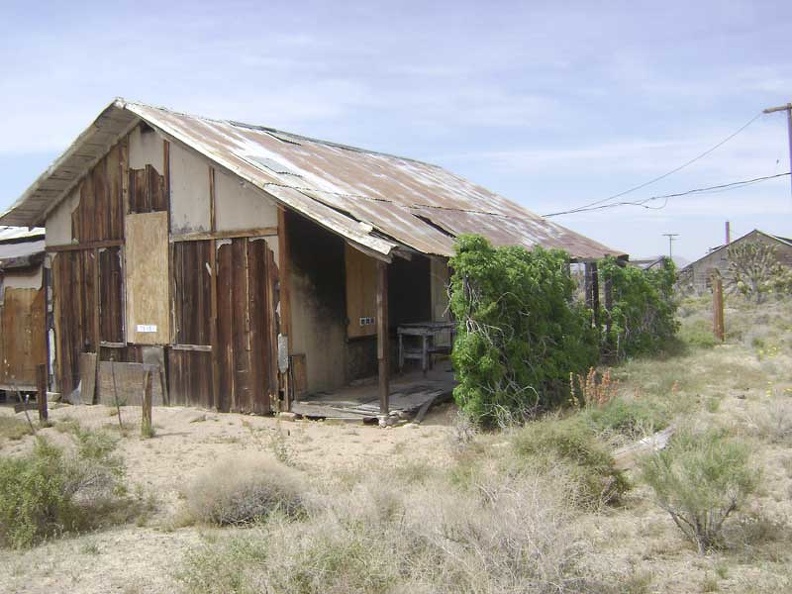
(122, 103)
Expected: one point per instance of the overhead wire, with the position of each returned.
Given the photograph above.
(643, 203)
(588, 206)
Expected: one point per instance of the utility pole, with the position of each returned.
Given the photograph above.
(670, 242)
(787, 108)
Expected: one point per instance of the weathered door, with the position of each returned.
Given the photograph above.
(246, 331)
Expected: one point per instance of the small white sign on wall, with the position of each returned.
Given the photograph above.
(146, 328)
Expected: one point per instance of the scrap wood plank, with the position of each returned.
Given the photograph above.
(425, 407)
(88, 372)
(627, 456)
(124, 383)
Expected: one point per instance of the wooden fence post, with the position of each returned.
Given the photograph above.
(41, 397)
(145, 425)
(717, 307)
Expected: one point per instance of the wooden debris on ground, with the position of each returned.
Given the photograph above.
(627, 457)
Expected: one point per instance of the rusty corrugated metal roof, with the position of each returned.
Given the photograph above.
(20, 248)
(20, 234)
(377, 202)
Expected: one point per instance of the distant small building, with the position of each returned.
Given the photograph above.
(696, 276)
(22, 308)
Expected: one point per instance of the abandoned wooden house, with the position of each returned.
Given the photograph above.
(22, 308)
(257, 266)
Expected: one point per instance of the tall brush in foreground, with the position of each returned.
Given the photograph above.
(54, 490)
(700, 480)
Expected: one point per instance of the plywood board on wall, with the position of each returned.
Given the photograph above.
(148, 320)
(361, 293)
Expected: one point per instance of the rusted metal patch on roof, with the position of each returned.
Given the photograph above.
(405, 202)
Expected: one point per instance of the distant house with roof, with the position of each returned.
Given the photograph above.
(253, 264)
(22, 308)
(696, 275)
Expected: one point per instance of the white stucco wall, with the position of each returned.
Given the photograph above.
(13, 279)
(146, 149)
(239, 206)
(189, 191)
(59, 221)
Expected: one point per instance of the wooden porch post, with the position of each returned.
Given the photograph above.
(383, 345)
(284, 280)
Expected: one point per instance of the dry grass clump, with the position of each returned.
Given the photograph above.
(769, 324)
(244, 489)
(498, 535)
(771, 422)
(13, 428)
(571, 443)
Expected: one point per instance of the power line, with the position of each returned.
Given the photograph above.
(665, 175)
(643, 203)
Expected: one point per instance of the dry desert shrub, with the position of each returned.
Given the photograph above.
(499, 535)
(700, 480)
(771, 422)
(571, 444)
(244, 489)
(56, 490)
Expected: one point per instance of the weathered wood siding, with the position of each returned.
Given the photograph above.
(88, 267)
(75, 303)
(192, 292)
(99, 213)
(155, 249)
(22, 345)
(111, 287)
(246, 333)
(190, 377)
(361, 293)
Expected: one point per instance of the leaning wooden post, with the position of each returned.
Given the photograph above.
(41, 397)
(383, 350)
(717, 308)
(145, 425)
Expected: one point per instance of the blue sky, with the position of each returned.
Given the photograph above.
(552, 104)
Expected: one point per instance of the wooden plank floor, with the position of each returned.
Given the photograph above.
(359, 402)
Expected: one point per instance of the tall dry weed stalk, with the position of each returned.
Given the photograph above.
(594, 389)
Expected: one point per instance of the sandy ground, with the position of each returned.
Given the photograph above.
(138, 559)
(749, 395)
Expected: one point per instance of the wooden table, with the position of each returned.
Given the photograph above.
(425, 332)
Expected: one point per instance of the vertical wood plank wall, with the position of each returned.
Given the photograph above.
(214, 297)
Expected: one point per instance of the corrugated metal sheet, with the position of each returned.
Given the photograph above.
(21, 254)
(378, 202)
(17, 234)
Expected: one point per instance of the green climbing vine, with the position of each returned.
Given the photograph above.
(520, 333)
(642, 318)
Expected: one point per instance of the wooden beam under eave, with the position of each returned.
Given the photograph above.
(383, 339)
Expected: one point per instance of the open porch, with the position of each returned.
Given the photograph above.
(410, 396)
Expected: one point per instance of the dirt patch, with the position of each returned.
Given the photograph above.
(133, 559)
